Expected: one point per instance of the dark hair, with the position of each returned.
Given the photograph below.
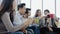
(21, 5)
(37, 12)
(27, 10)
(7, 5)
(47, 11)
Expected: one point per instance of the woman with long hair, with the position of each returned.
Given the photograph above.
(7, 13)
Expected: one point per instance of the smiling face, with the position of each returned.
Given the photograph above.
(46, 13)
(39, 13)
(22, 10)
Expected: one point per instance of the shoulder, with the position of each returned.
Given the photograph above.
(6, 14)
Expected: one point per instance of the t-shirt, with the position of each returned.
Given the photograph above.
(18, 19)
(37, 21)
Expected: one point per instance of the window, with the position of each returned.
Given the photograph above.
(50, 5)
(18, 1)
(1, 1)
(58, 8)
(27, 2)
(35, 4)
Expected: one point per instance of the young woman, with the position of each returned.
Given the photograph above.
(37, 17)
(6, 15)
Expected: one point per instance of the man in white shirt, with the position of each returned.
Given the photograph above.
(18, 19)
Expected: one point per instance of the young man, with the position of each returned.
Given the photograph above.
(19, 17)
(52, 16)
(47, 22)
(27, 13)
(49, 19)
(26, 16)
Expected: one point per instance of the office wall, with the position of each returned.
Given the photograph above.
(1, 1)
(18, 1)
(27, 2)
(58, 8)
(35, 4)
(50, 5)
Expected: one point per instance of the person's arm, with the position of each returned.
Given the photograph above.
(9, 26)
(24, 30)
(48, 21)
(50, 29)
(24, 25)
(21, 21)
(28, 22)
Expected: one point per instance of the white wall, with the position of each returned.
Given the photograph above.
(1, 1)
(50, 5)
(18, 1)
(47, 4)
(27, 2)
(35, 4)
(58, 8)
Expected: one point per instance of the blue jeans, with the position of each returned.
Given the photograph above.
(19, 32)
(30, 31)
(35, 29)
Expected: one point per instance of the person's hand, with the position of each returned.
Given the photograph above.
(50, 29)
(29, 21)
(48, 20)
(24, 30)
(33, 21)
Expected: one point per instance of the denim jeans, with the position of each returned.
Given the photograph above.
(35, 29)
(30, 31)
(18, 32)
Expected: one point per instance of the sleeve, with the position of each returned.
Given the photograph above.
(8, 24)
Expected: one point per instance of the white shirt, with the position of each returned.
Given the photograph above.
(18, 19)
